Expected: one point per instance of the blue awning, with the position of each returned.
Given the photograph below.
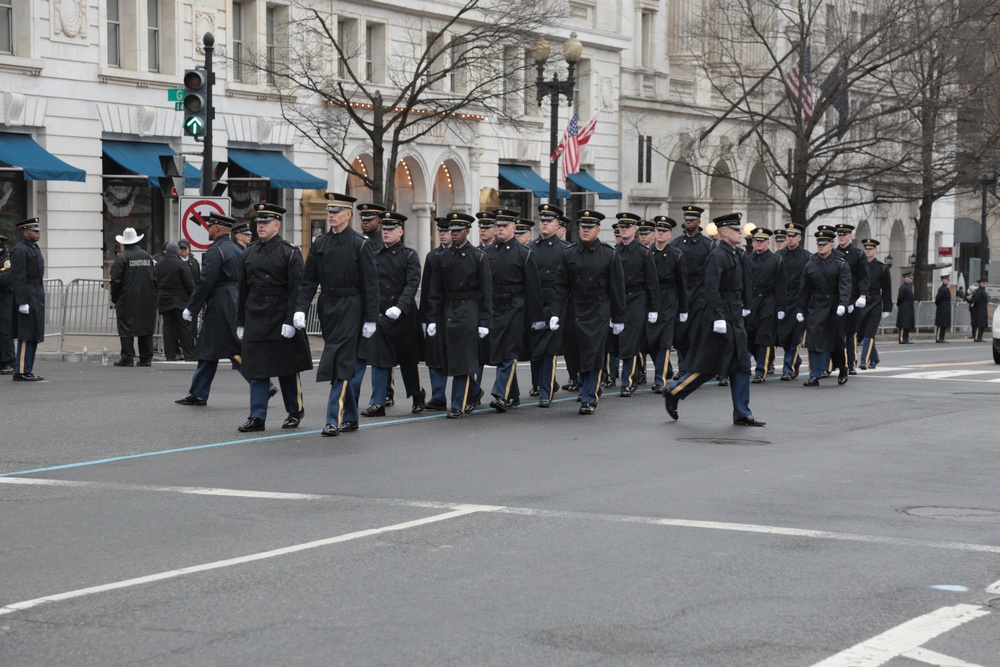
(144, 159)
(591, 184)
(20, 150)
(526, 179)
(275, 166)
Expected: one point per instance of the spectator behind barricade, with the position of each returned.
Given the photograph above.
(173, 289)
(184, 253)
(960, 293)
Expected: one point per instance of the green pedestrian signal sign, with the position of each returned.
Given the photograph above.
(195, 101)
(194, 125)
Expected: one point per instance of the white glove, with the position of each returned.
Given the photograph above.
(423, 325)
(554, 323)
(781, 314)
(799, 317)
(652, 317)
(885, 315)
(368, 329)
(299, 320)
(393, 313)
(746, 311)
(719, 326)
(537, 326)
(617, 328)
(483, 332)
(432, 329)
(186, 314)
(840, 311)
(860, 303)
(850, 308)
(239, 332)
(24, 308)
(684, 317)
(287, 331)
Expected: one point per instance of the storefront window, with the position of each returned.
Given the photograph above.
(13, 203)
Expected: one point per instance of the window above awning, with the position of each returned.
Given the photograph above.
(273, 165)
(525, 178)
(21, 151)
(587, 182)
(144, 159)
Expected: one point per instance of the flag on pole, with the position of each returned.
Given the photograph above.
(573, 140)
(799, 80)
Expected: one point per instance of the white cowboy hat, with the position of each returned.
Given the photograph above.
(129, 237)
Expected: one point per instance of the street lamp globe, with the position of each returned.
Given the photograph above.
(540, 51)
(572, 49)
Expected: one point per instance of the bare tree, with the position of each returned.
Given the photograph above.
(444, 72)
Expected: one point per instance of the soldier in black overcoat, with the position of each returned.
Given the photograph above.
(488, 237)
(27, 267)
(877, 306)
(695, 247)
(858, 265)
(173, 289)
(341, 264)
(272, 346)
(434, 351)
(592, 281)
(942, 313)
(397, 339)
(721, 344)
(768, 300)
(642, 300)
(670, 276)
(543, 312)
(6, 310)
(906, 318)
(791, 330)
(824, 296)
(371, 226)
(216, 291)
(979, 305)
(133, 293)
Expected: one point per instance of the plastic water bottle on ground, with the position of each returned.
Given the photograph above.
(104, 357)
(85, 355)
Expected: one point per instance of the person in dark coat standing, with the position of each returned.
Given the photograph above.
(695, 247)
(546, 341)
(342, 264)
(184, 252)
(768, 300)
(6, 310)
(133, 293)
(979, 310)
(942, 316)
(858, 265)
(790, 329)
(906, 318)
(216, 291)
(461, 310)
(397, 335)
(371, 226)
(823, 300)
(592, 281)
(173, 289)
(642, 301)
(878, 305)
(272, 346)
(670, 276)
(720, 348)
(28, 268)
(434, 351)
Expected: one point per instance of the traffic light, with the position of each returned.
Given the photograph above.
(195, 101)
(172, 181)
(218, 171)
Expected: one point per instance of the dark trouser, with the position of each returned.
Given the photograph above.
(145, 348)
(661, 366)
(505, 380)
(6, 329)
(763, 356)
(359, 375)
(546, 376)
(176, 330)
(789, 362)
(631, 370)
(341, 406)
(439, 384)
(939, 333)
(977, 334)
(904, 335)
(589, 383)
(260, 392)
(818, 362)
(536, 373)
(869, 355)
(25, 360)
(739, 389)
(461, 386)
(201, 381)
(382, 382)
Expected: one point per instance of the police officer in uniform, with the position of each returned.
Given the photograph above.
(544, 312)
(28, 268)
(133, 292)
(371, 227)
(592, 280)
(790, 330)
(670, 276)
(767, 300)
(6, 310)
(695, 247)
(434, 350)
(397, 337)
(642, 300)
(942, 312)
(877, 306)
(719, 345)
(272, 346)
(858, 265)
(905, 309)
(342, 264)
(487, 228)
(461, 303)
(825, 294)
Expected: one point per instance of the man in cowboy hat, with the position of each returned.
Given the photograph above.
(133, 293)
(28, 266)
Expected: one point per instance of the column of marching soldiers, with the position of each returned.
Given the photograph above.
(723, 307)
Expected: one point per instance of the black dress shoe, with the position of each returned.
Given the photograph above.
(670, 402)
(374, 411)
(610, 382)
(498, 404)
(121, 363)
(469, 407)
(390, 401)
(191, 399)
(642, 380)
(330, 430)
(347, 427)
(147, 364)
(27, 377)
(758, 379)
(544, 402)
(723, 382)
(657, 388)
(825, 374)
(455, 413)
(842, 376)
(749, 421)
(852, 372)
(418, 402)
(785, 377)
(811, 382)
(513, 402)
(571, 386)
(533, 391)
(272, 392)
(7, 370)
(251, 425)
(293, 419)
(626, 392)
(862, 367)
(435, 404)
(587, 409)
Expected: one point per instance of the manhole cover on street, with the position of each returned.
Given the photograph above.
(954, 513)
(726, 441)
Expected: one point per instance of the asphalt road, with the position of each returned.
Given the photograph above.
(861, 526)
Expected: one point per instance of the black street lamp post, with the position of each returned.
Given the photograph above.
(572, 49)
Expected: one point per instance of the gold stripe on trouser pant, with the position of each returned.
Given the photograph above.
(340, 403)
(552, 379)
(631, 372)
(767, 360)
(465, 395)
(597, 391)
(666, 365)
(298, 392)
(683, 385)
(510, 380)
(21, 357)
(238, 359)
(868, 354)
(900, 335)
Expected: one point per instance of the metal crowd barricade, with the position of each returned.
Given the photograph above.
(53, 306)
(87, 310)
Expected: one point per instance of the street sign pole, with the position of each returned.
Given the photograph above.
(206, 167)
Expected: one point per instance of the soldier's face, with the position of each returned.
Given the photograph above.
(371, 226)
(760, 245)
(32, 235)
(444, 237)
(627, 232)
(663, 237)
(488, 234)
(505, 231)
(870, 253)
(844, 239)
(692, 225)
(731, 235)
(391, 236)
(458, 236)
(588, 234)
(793, 241)
(338, 218)
(267, 229)
(548, 226)
(824, 248)
(646, 238)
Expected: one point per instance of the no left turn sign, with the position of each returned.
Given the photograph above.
(194, 218)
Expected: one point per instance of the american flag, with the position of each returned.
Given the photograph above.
(574, 139)
(800, 85)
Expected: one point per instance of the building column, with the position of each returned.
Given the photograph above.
(419, 235)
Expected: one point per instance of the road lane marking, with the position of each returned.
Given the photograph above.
(994, 588)
(942, 375)
(241, 560)
(936, 659)
(192, 490)
(904, 638)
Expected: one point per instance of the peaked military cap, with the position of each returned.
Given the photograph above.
(268, 212)
(549, 212)
(369, 211)
(646, 227)
(507, 214)
(589, 218)
(843, 228)
(779, 234)
(563, 221)
(459, 221)
(908, 274)
(795, 228)
(336, 200)
(31, 224)
(825, 233)
(223, 220)
(761, 234)
(614, 226)
(728, 220)
(692, 212)
(3, 239)
(392, 219)
(442, 224)
(626, 219)
(242, 228)
(664, 223)
(522, 225)
(486, 219)
(870, 243)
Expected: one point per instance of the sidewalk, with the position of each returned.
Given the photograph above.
(73, 348)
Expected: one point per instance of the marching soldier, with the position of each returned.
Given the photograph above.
(791, 329)
(371, 227)
(242, 234)
(646, 230)
(499, 216)
(905, 312)
(695, 247)
(27, 267)
(642, 300)
(942, 313)
(720, 345)
(767, 301)
(522, 231)
(877, 306)
(6, 310)
(487, 228)
(670, 272)
(544, 263)
(780, 240)
(858, 265)
(824, 296)
(461, 300)
(434, 350)
(592, 280)
(272, 346)
(341, 263)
